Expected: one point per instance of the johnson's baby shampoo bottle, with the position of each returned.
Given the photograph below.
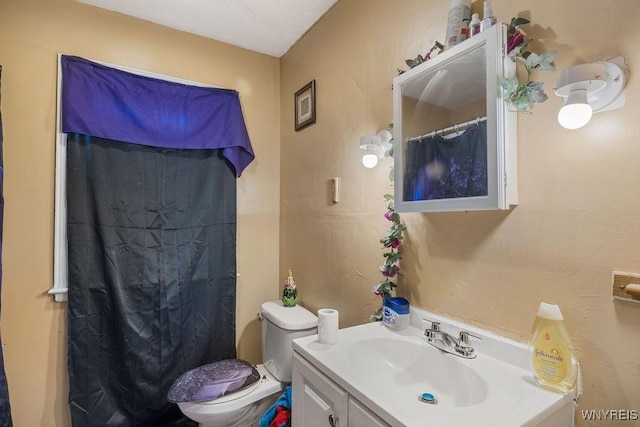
(553, 358)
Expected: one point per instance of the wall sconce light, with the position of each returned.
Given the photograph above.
(589, 88)
(375, 146)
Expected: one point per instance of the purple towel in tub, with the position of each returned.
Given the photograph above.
(211, 381)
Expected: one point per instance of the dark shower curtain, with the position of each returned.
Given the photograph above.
(5, 407)
(151, 229)
(151, 236)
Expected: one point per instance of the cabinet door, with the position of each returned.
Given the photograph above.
(455, 143)
(317, 401)
(360, 416)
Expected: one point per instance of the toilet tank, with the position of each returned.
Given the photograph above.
(280, 326)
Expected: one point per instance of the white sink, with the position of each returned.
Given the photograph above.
(411, 367)
(388, 371)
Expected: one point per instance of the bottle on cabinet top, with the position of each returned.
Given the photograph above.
(474, 25)
(487, 18)
(459, 10)
(464, 31)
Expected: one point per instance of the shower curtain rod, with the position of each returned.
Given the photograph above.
(442, 132)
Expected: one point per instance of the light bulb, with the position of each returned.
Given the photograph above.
(576, 112)
(369, 160)
(574, 116)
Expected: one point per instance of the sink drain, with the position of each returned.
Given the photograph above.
(428, 398)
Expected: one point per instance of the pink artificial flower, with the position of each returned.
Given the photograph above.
(387, 214)
(391, 271)
(514, 40)
(395, 244)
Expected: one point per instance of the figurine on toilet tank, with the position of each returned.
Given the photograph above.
(289, 293)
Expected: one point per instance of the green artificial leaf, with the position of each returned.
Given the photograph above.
(509, 85)
(540, 62)
(545, 61)
(524, 44)
(538, 96)
(536, 92)
(509, 89)
(415, 61)
(517, 21)
(388, 197)
(393, 257)
(524, 103)
(396, 230)
(515, 52)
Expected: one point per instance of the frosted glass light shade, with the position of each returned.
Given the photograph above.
(369, 160)
(576, 112)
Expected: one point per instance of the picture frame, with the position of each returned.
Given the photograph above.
(305, 106)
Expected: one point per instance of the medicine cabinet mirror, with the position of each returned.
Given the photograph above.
(455, 138)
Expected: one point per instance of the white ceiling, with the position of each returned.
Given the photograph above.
(265, 26)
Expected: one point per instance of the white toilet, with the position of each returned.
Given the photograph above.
(280, 326)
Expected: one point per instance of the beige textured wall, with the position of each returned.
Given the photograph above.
(32, 32)
(577, 220)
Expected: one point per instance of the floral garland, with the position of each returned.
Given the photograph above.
(414, 62)
(391, 243)
(523, 96)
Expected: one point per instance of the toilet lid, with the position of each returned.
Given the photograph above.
(212, 381)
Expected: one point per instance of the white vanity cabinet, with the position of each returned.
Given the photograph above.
(455, 143)
(319, 402)
(360, 416)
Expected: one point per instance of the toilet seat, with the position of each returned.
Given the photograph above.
(233, 396)
(266, 386)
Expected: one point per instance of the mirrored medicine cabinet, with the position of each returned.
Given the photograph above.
(455, 138)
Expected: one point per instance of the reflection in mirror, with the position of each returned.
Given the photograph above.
(445, 131)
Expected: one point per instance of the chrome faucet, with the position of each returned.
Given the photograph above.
(447, 343)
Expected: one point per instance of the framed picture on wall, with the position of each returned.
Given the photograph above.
(305, 101)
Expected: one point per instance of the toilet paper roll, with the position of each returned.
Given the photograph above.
(327, 326)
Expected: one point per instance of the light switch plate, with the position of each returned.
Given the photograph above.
(335, 190)
(619, 281)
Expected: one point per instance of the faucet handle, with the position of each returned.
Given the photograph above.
(432, 332)
(435, 326)
(463, 338)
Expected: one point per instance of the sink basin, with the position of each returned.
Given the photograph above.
(412, 367)
(387, 371)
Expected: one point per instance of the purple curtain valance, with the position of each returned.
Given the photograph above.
(108, 103)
